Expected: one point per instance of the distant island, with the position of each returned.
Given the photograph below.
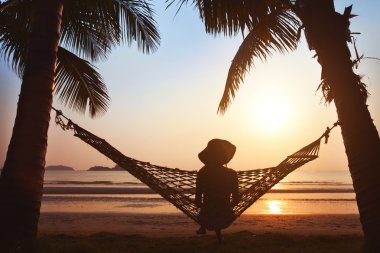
(93, 168)
(99, 168)
(59, 168)
(103, 168)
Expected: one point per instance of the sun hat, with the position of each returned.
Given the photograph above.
(217, 152)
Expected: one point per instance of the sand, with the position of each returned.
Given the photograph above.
(162, 225)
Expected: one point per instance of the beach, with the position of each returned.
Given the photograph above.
(137, 233)
(163, 225)
(128, 207)
(93, 208)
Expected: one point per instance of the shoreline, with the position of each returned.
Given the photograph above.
(174, 225)
(145, 190)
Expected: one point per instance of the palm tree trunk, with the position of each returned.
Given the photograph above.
(21, 181)
(327, 33)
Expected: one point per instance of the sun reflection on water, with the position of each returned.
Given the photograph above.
(275, 206)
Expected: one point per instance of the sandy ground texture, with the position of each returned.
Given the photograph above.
(180, 225)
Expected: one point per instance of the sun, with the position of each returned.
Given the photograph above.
(271, 114)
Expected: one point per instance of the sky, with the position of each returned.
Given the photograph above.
(164, 105)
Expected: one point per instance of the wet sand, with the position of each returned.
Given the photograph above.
(162, 225)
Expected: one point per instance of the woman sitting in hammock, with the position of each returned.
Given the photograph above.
(214, 187)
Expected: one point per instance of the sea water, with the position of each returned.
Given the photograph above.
(301, 192)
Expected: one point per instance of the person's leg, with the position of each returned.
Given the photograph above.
(201, 230)
(219, 235)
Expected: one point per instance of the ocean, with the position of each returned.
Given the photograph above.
(302, 192)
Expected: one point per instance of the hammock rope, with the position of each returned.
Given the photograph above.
(178, 186)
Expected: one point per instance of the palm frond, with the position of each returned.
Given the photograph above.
(15, 23)
(231, 17)
(92, 27)
(79, 85)
(272, 26)
(89, 28)
(137, 24)
(276, 32)
(13, 47)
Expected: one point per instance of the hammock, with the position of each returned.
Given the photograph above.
(178, 186)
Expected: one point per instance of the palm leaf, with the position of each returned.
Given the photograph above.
(93, 27)
(276, 32)
(231, 17)
(89, 28)
(271, 24)
(79, 85)
(137, 24)
(14, 33)
(13, 47)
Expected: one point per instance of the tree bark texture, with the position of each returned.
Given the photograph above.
(21, 181)
(327, 33)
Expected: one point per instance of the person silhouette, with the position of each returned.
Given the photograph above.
(215, 185)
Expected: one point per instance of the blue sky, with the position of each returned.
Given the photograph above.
(163, 107)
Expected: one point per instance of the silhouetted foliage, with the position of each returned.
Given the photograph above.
(90, 29)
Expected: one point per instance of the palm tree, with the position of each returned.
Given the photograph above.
(275, 25)
(35, 38)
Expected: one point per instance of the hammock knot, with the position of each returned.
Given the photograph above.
(326, 135)
(336, 124)
(58, 120)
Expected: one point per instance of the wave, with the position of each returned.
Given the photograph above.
(124, 202)
(146, 190)
(107, 182)
(312, 200)
(313, 190)
(91, 182)
(97, 190)
(80, 198)
(313, 183)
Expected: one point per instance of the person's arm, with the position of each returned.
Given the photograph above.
(198, 192)
(235, 190)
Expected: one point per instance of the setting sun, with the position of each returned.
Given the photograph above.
(271, 114)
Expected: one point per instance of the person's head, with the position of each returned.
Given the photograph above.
(217, 152)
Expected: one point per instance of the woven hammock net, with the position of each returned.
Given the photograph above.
(178, 186)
